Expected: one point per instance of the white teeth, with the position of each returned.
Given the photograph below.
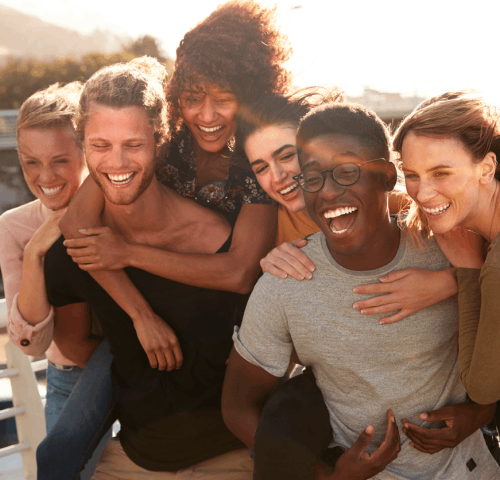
(51, 191)
(437, 210)
(211, 129)
(339, 211)
(120, 179)
(332, 228)
(289, 189)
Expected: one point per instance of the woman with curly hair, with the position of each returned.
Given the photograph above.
(225, 62)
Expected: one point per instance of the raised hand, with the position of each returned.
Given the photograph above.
(287, 259)
(46, 235)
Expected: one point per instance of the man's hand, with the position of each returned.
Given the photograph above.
(159, 342)
(100, 249)
(461, 420)
(287, 259)
(356, 464)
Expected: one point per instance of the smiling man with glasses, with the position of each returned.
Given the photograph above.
(373, 378)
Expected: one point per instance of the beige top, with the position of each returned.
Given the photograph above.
(17, 226)
(479, 341)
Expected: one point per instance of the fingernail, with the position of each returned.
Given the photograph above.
(301, 278)
(312, 268)
(383, 279)
(382, 322)
(363, 312)
(284, 275)
(309, 276)
(355, 290)
(82, 230)
(355, 306)
(423, 416)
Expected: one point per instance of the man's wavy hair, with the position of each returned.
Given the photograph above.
(55, 106)
(237, 46)
(139, 82)
(462, 115)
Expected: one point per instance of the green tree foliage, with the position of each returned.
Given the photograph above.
(21, 77)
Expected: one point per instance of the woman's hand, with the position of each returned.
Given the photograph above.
(356, 464)
(461, 420)
(287, 259)
(462, 248)
(159, 342)
(100, 249)
(409, 291)
(46, 235)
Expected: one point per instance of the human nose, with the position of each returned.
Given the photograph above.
(278, 173)
(119, 158)
(208, 112)
(331, 188)
(424, 191)
(47, 174)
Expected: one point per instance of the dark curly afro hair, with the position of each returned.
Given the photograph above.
(237, 46)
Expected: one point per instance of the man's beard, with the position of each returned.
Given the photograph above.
(147, 177)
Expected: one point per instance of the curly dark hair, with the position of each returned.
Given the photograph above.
(237, 46)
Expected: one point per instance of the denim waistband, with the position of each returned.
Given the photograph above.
(63, 368)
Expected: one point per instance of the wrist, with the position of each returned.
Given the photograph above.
(33, 253)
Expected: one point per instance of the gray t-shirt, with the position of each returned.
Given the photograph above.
(363, 368)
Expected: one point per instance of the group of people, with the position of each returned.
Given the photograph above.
(159, 203)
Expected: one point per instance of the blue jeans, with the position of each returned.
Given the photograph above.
(83, 426)
(60, 384)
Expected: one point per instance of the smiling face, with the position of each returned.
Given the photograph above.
(354, 218)
(272, 154)
(53, 165)
(120, 150)
(210, 114)
(442, 178)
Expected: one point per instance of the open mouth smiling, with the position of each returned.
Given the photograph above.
(341, 218)
(211, 131)
(290, 189)
(51, 191)
(436, 210)
(121, 179)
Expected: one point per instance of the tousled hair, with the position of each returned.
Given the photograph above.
(54, 106)
(139, 82)
(276, 109)
(462, 115)
(238, 47)
(346, 119)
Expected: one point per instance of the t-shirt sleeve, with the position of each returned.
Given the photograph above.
(62, 276)
(249, 189)
(264, 339)
(479, 341)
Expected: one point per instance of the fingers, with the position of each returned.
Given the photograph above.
(94, 230)
(79, 242)
(429, 440)
(152, 359)
(391, 445)
(299, 243)
(363, 441)
(288, 264)
(396, 275)
(403, 313)
(386, 308)
(372, 288)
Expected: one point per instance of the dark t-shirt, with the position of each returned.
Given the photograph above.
(170, 420)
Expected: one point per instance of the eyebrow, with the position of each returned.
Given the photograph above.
(437, 167)
(274, 154)
(133, 139)
(34, 157)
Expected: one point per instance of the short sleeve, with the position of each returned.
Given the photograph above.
(264, 339)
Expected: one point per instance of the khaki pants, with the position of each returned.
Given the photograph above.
(115, 465)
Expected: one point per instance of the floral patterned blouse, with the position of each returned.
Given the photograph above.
(178, 171)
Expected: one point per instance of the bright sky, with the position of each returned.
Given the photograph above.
(422, 48)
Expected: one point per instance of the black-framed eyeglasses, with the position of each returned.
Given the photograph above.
(344, 174)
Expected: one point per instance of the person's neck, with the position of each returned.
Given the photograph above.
(306, 213)
(146, 215)
(378, 251)
(204, 158)
(485, 217)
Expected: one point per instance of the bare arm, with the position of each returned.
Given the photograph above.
(236, 270)
(72, 333)
(244, 393)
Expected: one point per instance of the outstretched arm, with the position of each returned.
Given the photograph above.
(235, 271)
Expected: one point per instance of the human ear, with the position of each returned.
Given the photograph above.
(391, 176)
(488, 168)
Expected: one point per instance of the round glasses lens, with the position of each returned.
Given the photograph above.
(312, 181)
(346, 173)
